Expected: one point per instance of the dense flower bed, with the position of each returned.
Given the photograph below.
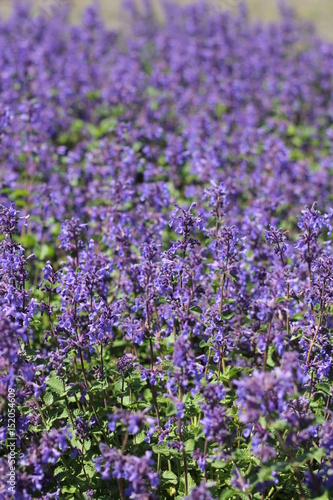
(166, 266)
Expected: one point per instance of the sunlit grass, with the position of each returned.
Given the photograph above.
(320, 12)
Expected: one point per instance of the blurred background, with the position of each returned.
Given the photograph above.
(318, 11)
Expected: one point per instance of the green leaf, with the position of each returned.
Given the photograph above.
(137, 146)
(279, 425)
(48, 399)
(203, 343)
(71, 489)
(93, 94)
(87, 444)
(234, 371)
(90, 469)
(189, 445)
(56, 385)
(291, 130)
(232, 493)
(59, 470)
(297, 317)
(218, 464)
(28, 240)
(265, 474)
(171, 409)
(323, 497)
(324, 387)
(140, 437)
(196, 309)
(314, 454)
(228, 493)
(220, 109)
(164, 450)
(227, 315)
(46, 252)
(190, 481)
(170, 477)
(60, 473)
(55, 414)
(281, 299)
(19, 193)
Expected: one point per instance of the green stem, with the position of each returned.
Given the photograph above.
(319, 323)
(40, 412)
(267, 344)
(292, 461)
(121, 489)
(206, 369)
(221, 294)
(181, 440)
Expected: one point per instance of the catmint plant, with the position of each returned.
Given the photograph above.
(166, 283)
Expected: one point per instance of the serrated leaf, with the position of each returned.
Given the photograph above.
(56, 385)
(87, 444)
(189, 445)
(164, 450)
(171, 409)
(170, 477)
(59, 469)
(140, 437)
(324, 387)
(48, 398)
(90, 469)
(71, 489)
(190, 481)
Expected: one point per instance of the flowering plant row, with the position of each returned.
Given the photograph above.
(166, 266)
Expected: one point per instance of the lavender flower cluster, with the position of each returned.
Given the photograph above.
(166, 260)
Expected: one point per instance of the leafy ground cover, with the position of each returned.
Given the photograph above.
(166, 269)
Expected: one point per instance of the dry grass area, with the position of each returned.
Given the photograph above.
(319, 11)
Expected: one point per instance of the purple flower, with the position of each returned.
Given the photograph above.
(53, 444)
(200, 493)
(137, 471)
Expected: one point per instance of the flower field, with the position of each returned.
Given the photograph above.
(166, 259)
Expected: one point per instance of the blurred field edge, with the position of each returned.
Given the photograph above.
(318, 12)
